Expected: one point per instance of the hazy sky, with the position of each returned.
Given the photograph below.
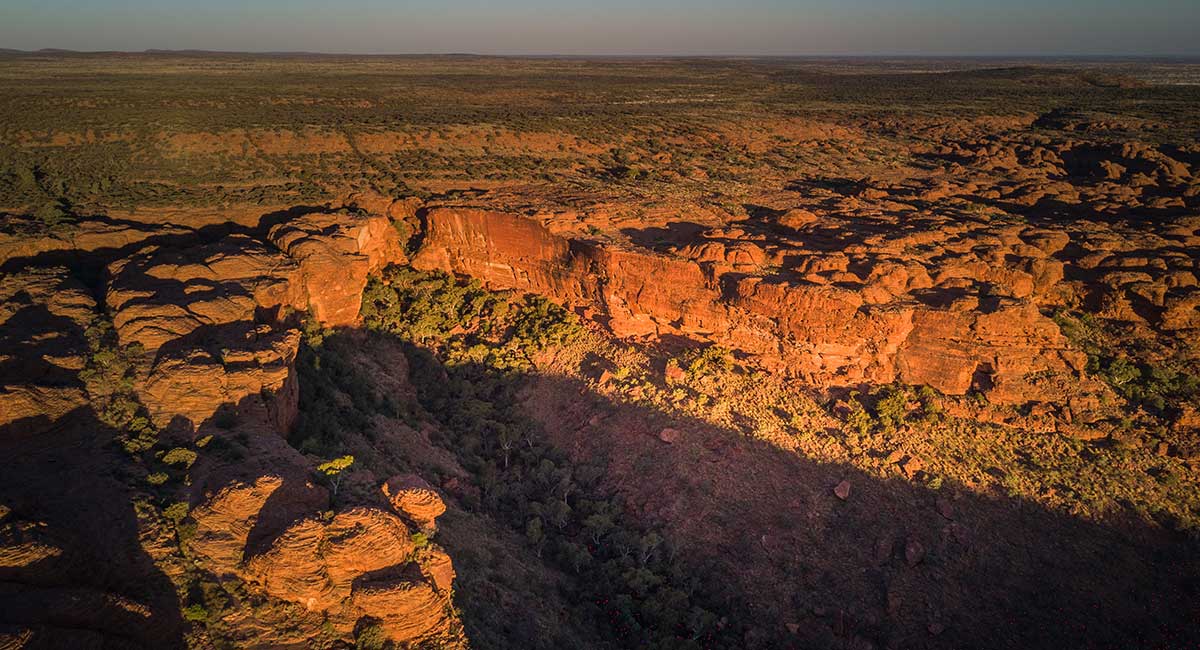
(612, 27)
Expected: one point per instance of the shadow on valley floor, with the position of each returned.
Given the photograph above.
(895, 564)
(75, 572)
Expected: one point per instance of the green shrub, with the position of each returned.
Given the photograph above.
(891, 408)
(185, 531)
(463, 320)
(706, 361)
(196, 613)
(370, 637)
(886, 408)
(858, 418)
(1160, 387)
(52, 215)
(1119, 372)
(176, 512)
(180, 456)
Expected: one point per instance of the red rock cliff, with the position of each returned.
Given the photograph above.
(827, 334)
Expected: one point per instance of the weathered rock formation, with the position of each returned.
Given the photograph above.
(212, 332)
(336, 252)
(880, 322)
(413, 498)
(215, 319)
(43, 316)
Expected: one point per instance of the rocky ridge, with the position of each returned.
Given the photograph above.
(212, 333)
(886, 320)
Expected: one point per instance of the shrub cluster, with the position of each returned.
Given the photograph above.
(884, 409)
(1160, 388)
(109, 376)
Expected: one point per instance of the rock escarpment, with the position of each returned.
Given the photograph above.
(884, 320)
(205, 338)
(211, 331)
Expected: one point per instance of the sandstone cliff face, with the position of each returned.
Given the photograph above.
(213, 316)
(819, 320)
(212, 333)
(336, 251)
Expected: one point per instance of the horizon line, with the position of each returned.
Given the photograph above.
(712, 55)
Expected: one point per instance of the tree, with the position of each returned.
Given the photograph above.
(575, 555)
(559, 513)
(507, 438)
(598, 526)
(52, 214)
(334, 469)
(533, 533)
(646, 547)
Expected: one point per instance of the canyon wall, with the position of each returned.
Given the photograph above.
(896, 324)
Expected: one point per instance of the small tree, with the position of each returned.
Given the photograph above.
(535, 535)
(334, 469)
(597, 527)
(52, 215)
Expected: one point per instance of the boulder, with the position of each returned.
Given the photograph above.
(335, 252)
(412, 497)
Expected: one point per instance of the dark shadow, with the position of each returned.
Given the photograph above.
(38, 335)
(390, 576)
(661, 239)
(837, 185)
(99, 587)
(896, 564)
(1050, 211)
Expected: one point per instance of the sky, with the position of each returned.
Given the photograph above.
(614, 27)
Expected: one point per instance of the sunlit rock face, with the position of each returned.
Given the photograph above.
(887, 321)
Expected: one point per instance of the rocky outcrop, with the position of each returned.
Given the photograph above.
(362, 562)
(358, 562)
(208, 318)
(44, 314)
(413, 498)
(891, 320)
(23, 240)
(225, 518)
(163, 295)
(216, 319)
(314, 563)
(212, 333)
(336, 252)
